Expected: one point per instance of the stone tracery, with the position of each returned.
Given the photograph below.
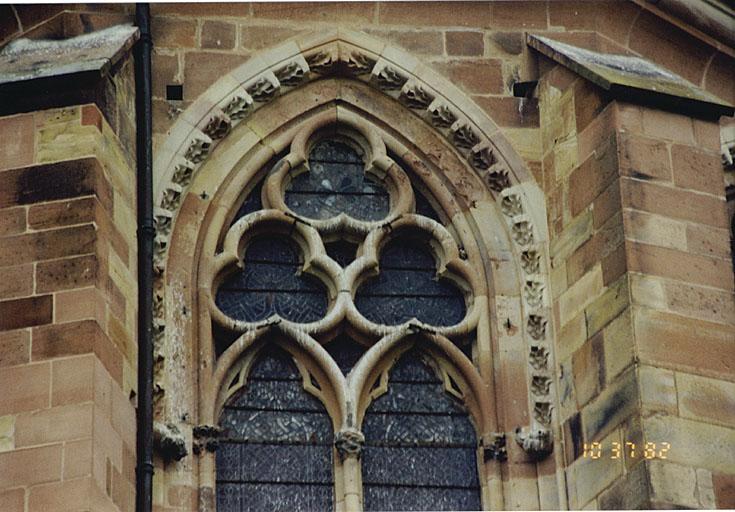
(474, 139)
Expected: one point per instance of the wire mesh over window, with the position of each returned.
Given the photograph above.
(407, 287)
(270, 283)
(420, 446)
(336, 183)
(276, 453)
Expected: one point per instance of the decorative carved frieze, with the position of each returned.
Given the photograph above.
(441, 115)
(539, 358)
(359, 63)
(218, 126)
(530, 261)
(542, 412)
(206, 437)
(183, 173)
(198, 149)
(522, 232)
(511, 205)
(498, 179)
(416, 96)
(390, 79)
(540, 385)
(464, 136)
(238, 106)
(292, 73)
(481, 157)
(533, 291)
(537, 327)
(171, 198)
(321, 61)
(263, 89)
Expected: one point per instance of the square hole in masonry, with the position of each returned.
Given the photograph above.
(174, 92)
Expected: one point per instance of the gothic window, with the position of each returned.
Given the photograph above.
(337, 270)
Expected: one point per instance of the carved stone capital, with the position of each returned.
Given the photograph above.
(206, 437)
(493, 447)
(349, 443)
(537, 443)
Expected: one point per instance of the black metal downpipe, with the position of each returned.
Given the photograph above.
(146, 234)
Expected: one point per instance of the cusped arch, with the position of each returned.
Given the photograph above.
(223, 142)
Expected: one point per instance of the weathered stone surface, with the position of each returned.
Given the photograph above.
(580, 294)
(702, 398)
(687, 448)
(465, 43)
(673, 484)
(589, 370)
(619, 345)
(682, 343)
(615, 404)
(48, 182)
(629, 493)
(658, 389)
(590, 476)
(26, 312)
(607, 306)
(575, 234)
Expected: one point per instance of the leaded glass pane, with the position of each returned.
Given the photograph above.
(407, 287)
(270, 283)
(252, 203)
(276, 450)
(336, 182)
(420, 446)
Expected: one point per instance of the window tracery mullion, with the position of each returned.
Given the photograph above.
(343, 281)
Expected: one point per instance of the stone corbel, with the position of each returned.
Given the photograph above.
(538, 443)
(206, 437)
(493, 447)
(169, 442)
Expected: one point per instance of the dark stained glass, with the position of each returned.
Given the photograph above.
(420, 446)
(276, 450)
(423, 207)
(252, 203)
(407, 287)
(336, 182)
(270, 283)
(341, 251)
(345, 352)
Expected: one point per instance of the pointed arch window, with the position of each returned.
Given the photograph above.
(337, 271)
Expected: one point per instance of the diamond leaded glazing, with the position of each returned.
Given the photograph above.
(335, 183)
(270, 284)
(276, 453)
(407, 287)
(420, 446)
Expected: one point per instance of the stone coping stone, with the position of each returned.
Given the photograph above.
(631, 78)
(26, 59)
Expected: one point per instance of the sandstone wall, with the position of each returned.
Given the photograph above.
(68, 298)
